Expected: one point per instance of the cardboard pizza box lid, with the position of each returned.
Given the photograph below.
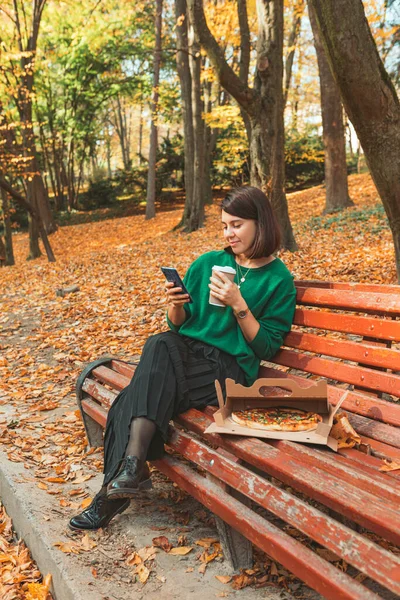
(313, 398)
(274, 392)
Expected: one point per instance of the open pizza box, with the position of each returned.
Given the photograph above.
(263, 394)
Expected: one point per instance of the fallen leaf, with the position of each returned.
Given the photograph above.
(147, 553)
(273, 570)
(87, 544)
(133, 559)
(388, 465)
(68, 547)
(241, 581)
(343, 432)
(327, 554)
(85, 503)
(181, 550)
(224, 578)
(206, 542)
(162, 542)
(202, 568)
(142, 572)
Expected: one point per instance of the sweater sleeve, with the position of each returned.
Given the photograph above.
(276, 322)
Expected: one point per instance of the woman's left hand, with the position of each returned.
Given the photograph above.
(225, 290)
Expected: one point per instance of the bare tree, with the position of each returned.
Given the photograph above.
(368, 95)
(27, 32)
(34, 215)
(5, 209)
(298, 11)
(263, 103)
(151, 178)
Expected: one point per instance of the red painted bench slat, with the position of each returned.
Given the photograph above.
(330, 491)
(385, 329)
(375, 356)
(341, 540)
(348, 285)
(366, 378)
(332, 583)
(344, 299)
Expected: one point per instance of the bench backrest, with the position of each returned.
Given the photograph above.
(349, 334)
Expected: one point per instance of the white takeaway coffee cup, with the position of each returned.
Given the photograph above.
(229, 272)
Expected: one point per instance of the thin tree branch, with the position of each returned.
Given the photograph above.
(244, 95)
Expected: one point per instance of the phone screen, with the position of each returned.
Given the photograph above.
(171, 274)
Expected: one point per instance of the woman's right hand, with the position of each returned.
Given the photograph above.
(174, 295)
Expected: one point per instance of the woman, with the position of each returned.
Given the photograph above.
(178, 368)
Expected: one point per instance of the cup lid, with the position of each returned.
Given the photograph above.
(225, 269)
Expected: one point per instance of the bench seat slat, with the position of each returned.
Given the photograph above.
(99, 392)
(368, 480)
(341, 540)
(363, 377)
(364, 302)
(385, 329)
(95, 411)
(316, 572)
(367, 461)
(107, 375)
(374, 356)
(331, 491)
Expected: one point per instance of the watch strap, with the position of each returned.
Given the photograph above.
(241, 314)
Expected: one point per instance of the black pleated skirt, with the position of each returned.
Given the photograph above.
(175, 373)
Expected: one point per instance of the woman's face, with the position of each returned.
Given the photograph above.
(239, 233)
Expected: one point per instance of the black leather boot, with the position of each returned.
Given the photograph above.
(133, 477)
(99, 513)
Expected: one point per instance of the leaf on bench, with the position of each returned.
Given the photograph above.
(343, 432)
(389, 465)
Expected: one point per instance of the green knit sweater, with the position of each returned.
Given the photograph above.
(269, 293)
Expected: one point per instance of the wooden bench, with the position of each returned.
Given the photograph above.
(342, 502)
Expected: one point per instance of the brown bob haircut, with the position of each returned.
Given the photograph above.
(251, 203)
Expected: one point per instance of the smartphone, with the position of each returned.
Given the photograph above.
(172, 274)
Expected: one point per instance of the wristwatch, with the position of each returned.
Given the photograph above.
(241, 314)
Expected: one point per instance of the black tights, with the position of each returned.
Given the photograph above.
(142, 431)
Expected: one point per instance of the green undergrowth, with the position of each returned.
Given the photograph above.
(370, 219)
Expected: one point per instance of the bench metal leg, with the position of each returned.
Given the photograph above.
(237, 549)
(94, 431)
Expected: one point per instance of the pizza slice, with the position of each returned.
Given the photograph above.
(277, 419)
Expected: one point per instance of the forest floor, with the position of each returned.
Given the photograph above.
(47, 339)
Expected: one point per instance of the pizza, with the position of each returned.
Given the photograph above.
(277, 419)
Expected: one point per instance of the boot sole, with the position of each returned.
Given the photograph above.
(130, 492)
(117, 512)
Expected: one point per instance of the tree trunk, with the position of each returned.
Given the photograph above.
(368, 95)
(298, 10)
(263, 103)
(34, 249)
(151, 178)
(33, 212)
(185, 80)
(7, 229)
(196, 217)
(337, 191)
(267, 138)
